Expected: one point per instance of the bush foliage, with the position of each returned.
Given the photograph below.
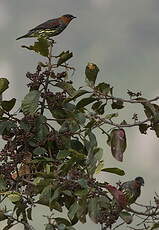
(51, 153)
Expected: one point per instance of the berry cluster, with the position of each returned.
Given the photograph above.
(107, 217)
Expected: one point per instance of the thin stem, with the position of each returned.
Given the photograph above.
(132, 101)
(47, 79)
(109, 122)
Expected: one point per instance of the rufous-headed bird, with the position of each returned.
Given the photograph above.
(50, 28)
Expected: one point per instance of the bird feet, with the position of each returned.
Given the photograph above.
(52, 42)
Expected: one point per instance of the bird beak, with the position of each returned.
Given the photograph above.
(142, 184)
(74, 17)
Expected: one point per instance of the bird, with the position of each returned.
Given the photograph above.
(127, 193)
(49, 28)
(132, 189)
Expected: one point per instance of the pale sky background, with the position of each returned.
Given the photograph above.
(121, 37)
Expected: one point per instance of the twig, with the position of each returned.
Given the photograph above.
(143, 213)
(133, 101)
(47, 79)
(109, 122)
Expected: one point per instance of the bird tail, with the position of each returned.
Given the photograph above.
(24, 36)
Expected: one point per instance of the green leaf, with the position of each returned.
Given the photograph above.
(56, 194)
(99, 107)
(4, 84)
(111, 115)
(77, 145)
(70, 227)
(8, 105)
(2, 215)
(39, 151)
(149, 108)
(69, 126)
(84, 102)
(6, 126)
(60, 114)
(29, 213)
(104, 202)
(82, 210)
(40, 120)
(117, 104)
(42, 132)
(98, 153)
(99, 167)
(41, 47)
(64, 56)
(30, 102)
(117, 171)
(73, 210)
(61, 227)
(96, 105)
(46, 195)
(64, 221)
(103, 88)
(90, 124)
(1, 113)
(127, 217)
(14, 197)
(83, 183)
(55, 205)
(49, 227)
(66, 87)
(69, 108)
(7, 227)
(92, 138)
(48, 168)
(93, 159)
(91, 143)
(80, 118)
(62, 154)
(118, 143)
(3, 185)
(156, 129)
(81, 193)
(93, 209)
(143, 128)
(77, 93)
(67, 192)
(25, 125)
(3, 126)
(77, 155)
(91, 72)
(65, 142)
(19, 209)
(155, 226)
(66, 166)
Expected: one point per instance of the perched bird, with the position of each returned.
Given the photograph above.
(132, 189)
(49, 28)
(127, 193)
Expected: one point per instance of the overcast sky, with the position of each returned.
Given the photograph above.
(120, 36)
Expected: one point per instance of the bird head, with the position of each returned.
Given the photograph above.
(140, 181)
(67, 18)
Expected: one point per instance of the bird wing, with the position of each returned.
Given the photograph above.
(50, 24)
(130, 191)
(125, 185)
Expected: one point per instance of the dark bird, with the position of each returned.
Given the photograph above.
(132, 189)
(49, 28)
(127, 193)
